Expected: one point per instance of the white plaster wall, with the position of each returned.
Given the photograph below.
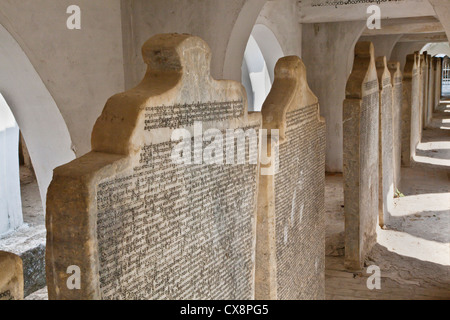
(402, 49)
(81, 69)
(224, 25)
(10, 201)
(383, 44)
(328, 55)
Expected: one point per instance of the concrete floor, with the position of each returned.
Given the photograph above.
(413, 252)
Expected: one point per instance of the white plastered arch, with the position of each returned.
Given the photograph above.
(42, 125)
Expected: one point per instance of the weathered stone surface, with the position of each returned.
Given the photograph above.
(386, 143)
(291, 223)
(34, 269)
(397, 96)
(11, 276)
(361, 126)
(410, 109)
(138, 224)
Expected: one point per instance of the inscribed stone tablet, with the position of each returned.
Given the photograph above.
(361, 126)
(140, 223)
(397, 96)
(386, 145)
(291, 230)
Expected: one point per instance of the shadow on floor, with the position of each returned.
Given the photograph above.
(428, 225)
(402, 278)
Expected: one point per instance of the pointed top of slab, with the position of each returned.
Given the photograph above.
(364, 71)
(422, 60)
(434, 62)
(364, 49)
(396, 73)
(290, 90)
(384, 76)
(417, 58)
(394, 66)
(411, 66)
(178, 73)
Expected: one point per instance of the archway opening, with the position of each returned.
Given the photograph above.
(445, 86)
(261, 55)
(43, 127)
(20, 200)
(32, 112)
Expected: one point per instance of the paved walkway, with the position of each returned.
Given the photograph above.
(413, 253)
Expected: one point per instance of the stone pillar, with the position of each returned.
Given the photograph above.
(422, 97)
(11, 277)
(410, 109)
(386, 143)
(328, 83)
(397, 97)
(290, 256)
(361, 127)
